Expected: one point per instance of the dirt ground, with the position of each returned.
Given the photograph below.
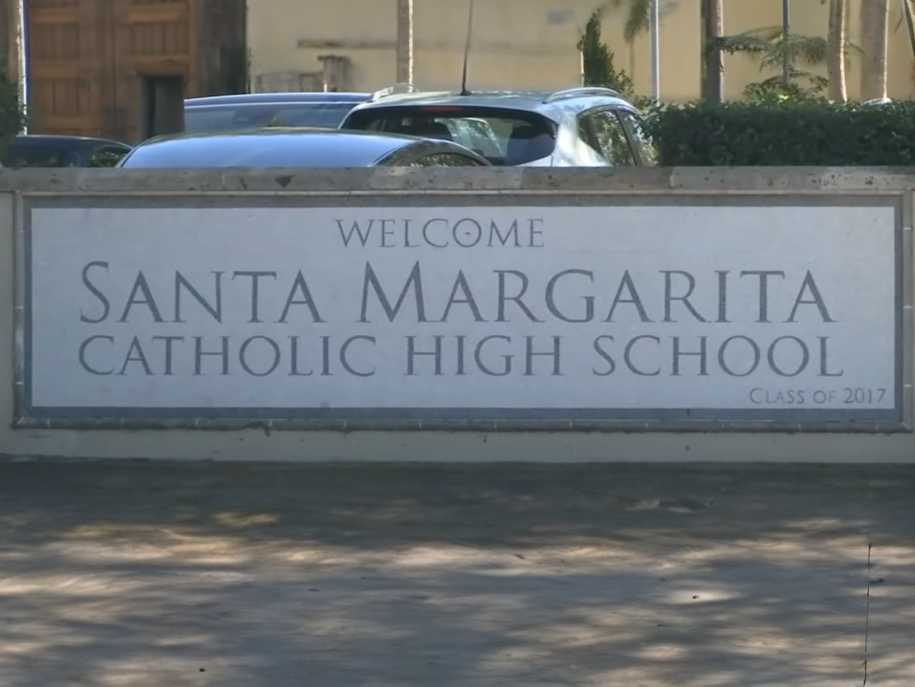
(148, 574)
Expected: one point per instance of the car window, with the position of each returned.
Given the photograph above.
(605, 133)
(503, 137)
(205, 119)
(107, 156)
(476, 134)
(251, 116)
(41, 156)
(639, 137)
(445, 160)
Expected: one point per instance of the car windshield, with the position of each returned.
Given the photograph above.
(502, 136)
(211, 118)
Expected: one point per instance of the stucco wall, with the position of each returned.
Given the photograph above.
(266, 440)
(517, 44)
(811, 18)
(520, 44)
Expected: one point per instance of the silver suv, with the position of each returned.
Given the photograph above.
(578, 127)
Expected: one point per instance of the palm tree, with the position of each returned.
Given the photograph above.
(835, 58)
(404, 41)
(874, 21)
(713, 11)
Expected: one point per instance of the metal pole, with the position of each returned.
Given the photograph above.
(786, 32)
(655, 27)
(404, 41)
(23, 56)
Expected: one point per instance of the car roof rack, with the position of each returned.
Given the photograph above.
(396, 89)
(581, 92)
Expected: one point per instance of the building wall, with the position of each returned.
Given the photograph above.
(811, 18)
(530, 43)
(516, 43)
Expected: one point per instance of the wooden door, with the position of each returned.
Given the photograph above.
(67, 63)
(89, 58)
(151, 38)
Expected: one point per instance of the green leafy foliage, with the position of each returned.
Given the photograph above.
(773, 50)
(774, 90)
(105, 158)
(784, 133)
(11, 115)
(597, 57)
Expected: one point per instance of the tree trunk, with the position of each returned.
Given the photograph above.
(874, 21)
(405, 41)
(835, 59)
(6, 31)
(714, 67)
(786, 35)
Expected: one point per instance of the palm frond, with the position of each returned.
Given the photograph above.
(908, 17)
(638, 15)
(796, 48)
(638, 19)
(807, 49)
(742, 42)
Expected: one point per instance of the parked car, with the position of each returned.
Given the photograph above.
(253, 110)
(578, 127)
(64, 151)
(296, 147)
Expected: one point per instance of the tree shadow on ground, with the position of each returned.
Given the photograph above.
(383, 576)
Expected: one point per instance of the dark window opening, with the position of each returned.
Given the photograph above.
(161, 106)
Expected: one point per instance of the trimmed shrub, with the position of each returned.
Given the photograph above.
(784, 134)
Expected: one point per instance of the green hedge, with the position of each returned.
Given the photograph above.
(747, 134)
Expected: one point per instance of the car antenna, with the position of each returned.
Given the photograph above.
(464, 90)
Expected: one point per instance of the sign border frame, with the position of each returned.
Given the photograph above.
(895, 420)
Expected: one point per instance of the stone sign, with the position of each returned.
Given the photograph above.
(766, 309)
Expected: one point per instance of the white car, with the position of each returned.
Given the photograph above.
(578, 127)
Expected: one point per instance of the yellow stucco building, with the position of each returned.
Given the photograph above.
(521, 44)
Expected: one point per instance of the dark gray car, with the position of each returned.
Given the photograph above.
(293, 147)
(64, 151)
(253, 110)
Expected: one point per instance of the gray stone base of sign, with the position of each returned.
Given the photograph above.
(231, 575)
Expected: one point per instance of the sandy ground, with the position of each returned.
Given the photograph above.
(205, 574)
